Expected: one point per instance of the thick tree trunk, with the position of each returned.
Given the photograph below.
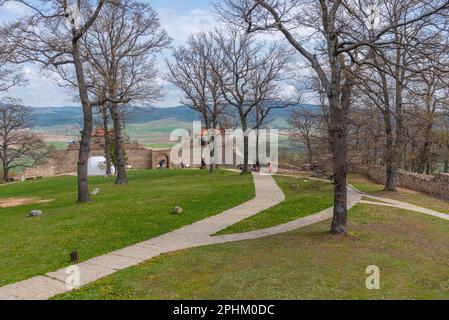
(86, 133)
(399, 143)
(107, 141)
(423, 162)
(339, 147)
(339, 109)
(119, 152)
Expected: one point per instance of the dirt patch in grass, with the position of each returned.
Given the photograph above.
(15, 202)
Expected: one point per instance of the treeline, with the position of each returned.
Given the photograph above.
(387, 54)
(103, 51)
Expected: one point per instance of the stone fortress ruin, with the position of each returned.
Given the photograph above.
(65, 161)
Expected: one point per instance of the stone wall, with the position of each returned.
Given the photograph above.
(139, 157)
(437, 185)
(65, 161)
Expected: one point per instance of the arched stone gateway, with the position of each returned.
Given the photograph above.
(161, 159)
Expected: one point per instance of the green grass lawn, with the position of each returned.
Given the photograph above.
(311, 197)
(366, 185)
(119, 216)
(409, 248)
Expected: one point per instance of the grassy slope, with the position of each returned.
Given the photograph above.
(118, 216)
(312, 197)
(410, 249)
(365, 185)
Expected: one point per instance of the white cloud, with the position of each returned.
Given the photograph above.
(11, 10)
(180, 25)
(42, 89)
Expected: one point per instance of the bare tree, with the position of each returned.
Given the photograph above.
(18, 146)
(329, 35)
(121, 49)
(251, 70)
(198, 72)
(51, 36)
(10, 74)
(302, 129)
(389, 74)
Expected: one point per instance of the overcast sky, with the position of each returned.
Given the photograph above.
(178, 17)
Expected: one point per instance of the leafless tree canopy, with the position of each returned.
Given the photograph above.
(228, 74)
(336, 39)
(18, 146)
(120, 52)
(197, 71)
(51, 36)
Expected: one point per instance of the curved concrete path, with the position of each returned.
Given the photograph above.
(401, 205)
(268, 194)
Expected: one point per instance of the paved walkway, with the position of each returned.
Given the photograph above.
(385, 202)
(268, 194)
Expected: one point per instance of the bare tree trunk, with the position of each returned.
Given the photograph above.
(86, 133)
(107, 141)
(245, 142)
(399, 113)
(212, 153)
(391, 169)
(339, 144)
(246, 154)
(5, 171)
(423, 161)
(339, 131)
(257, 145)
(120, 155)
(309, 153)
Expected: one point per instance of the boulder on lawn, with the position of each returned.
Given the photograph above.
(35, 213)
(95, 192)
(178, 210)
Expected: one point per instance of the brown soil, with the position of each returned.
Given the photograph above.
(15, 202)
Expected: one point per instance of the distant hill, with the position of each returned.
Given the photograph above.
(72, 116)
